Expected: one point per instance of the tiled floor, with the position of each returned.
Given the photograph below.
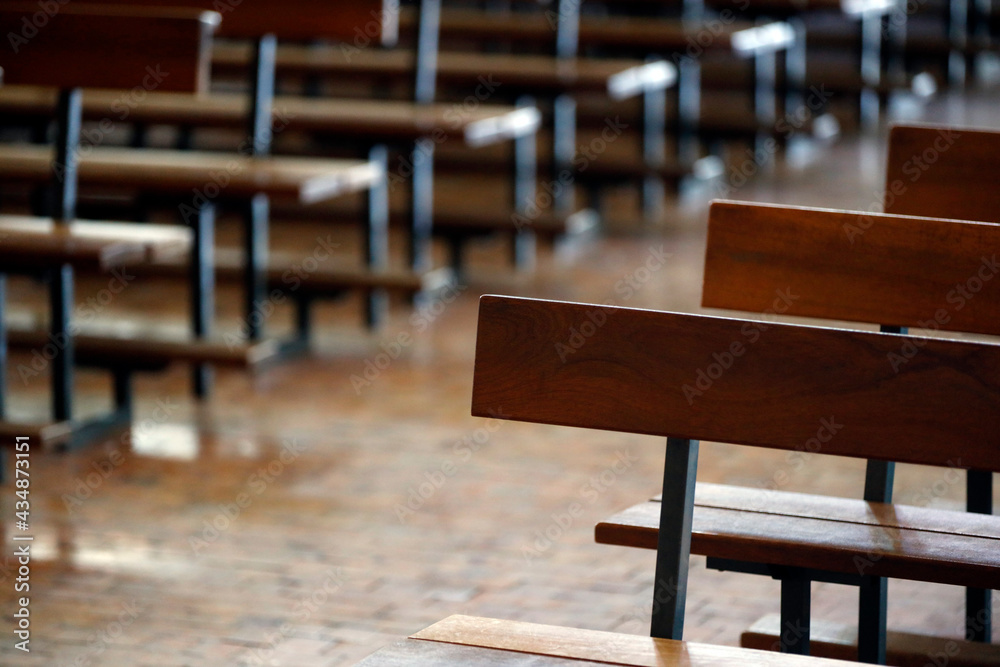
(312, 514)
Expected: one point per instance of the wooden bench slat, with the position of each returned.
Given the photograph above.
(282, 274)
(374, 20)
(46, 435)
(657, 35)
(158, 241)
(903, 649)
(621, 77)
(483, 125)
(849, 510)
(306, 180)
(594, 645)
(849, 265)
(32, 250)
(103, 347)
(841, 546)
(109, 47)
(531, 366)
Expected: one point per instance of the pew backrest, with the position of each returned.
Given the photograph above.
(942, 171)
(108, 46)
(357, 22)
(725, 380)
(889, 269)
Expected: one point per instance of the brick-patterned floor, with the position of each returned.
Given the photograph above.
(370, 511)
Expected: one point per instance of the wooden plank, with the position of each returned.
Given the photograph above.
(727, 380)
(655, 35)
(943, 171)
(160, 242)
(107, 47)
(618, 77)
(409, 652)
(104, 347)
(595, 646)
(865, 267)
(32, 250)
(903, 649)
(359, 22)
(483, 125)
(46, 435)
(836, 546)
(306, 180)
(848, 510)
(284, 273)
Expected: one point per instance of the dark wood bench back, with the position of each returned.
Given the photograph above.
(725, 380)
(896, 270)
(364, 21)
(943, 172)
(107, 46)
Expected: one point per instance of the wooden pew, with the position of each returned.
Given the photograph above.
(685, 43)
(782, 389)
(394, 122)
(898, 271)
(257, 21)
(118, 54)
(555, 80)
(930, 171)
(360, 25)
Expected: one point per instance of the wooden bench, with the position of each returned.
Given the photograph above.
(467, 640)
(898, 274)
(633, 371)
(382, 121)
(554, 80)
(340, 21)
(200, 180)
(95, 46)
(419, 124)
(683, 42)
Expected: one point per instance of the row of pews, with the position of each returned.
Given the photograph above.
(686, 80)
(884, 396)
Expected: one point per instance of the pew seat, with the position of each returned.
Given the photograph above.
(619, 78)
(468, 640)
(843, 535)
(305, 180)
(903, 649)
(402, 121)
(141, 348)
